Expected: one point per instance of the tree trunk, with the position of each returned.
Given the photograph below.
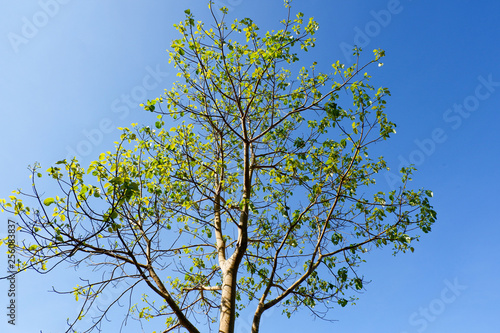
(228, 300)
(256, 319)
(230, 266)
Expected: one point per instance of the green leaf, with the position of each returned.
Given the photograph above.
(48, 201)
(342, 273)
(355, 127)
(116, 181)
(336, 238)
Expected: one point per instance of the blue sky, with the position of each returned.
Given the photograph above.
(73, 71)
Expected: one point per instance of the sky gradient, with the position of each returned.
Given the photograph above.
(73, 71)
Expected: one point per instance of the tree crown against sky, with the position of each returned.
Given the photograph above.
(261, 196)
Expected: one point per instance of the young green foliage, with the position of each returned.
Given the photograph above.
(256, 198)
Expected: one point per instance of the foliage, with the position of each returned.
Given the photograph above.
(259, 195)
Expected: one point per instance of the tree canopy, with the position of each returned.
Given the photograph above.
(262, 194)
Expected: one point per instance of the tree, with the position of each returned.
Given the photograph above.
(261, 196)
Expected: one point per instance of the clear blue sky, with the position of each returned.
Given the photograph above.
(72, 71)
